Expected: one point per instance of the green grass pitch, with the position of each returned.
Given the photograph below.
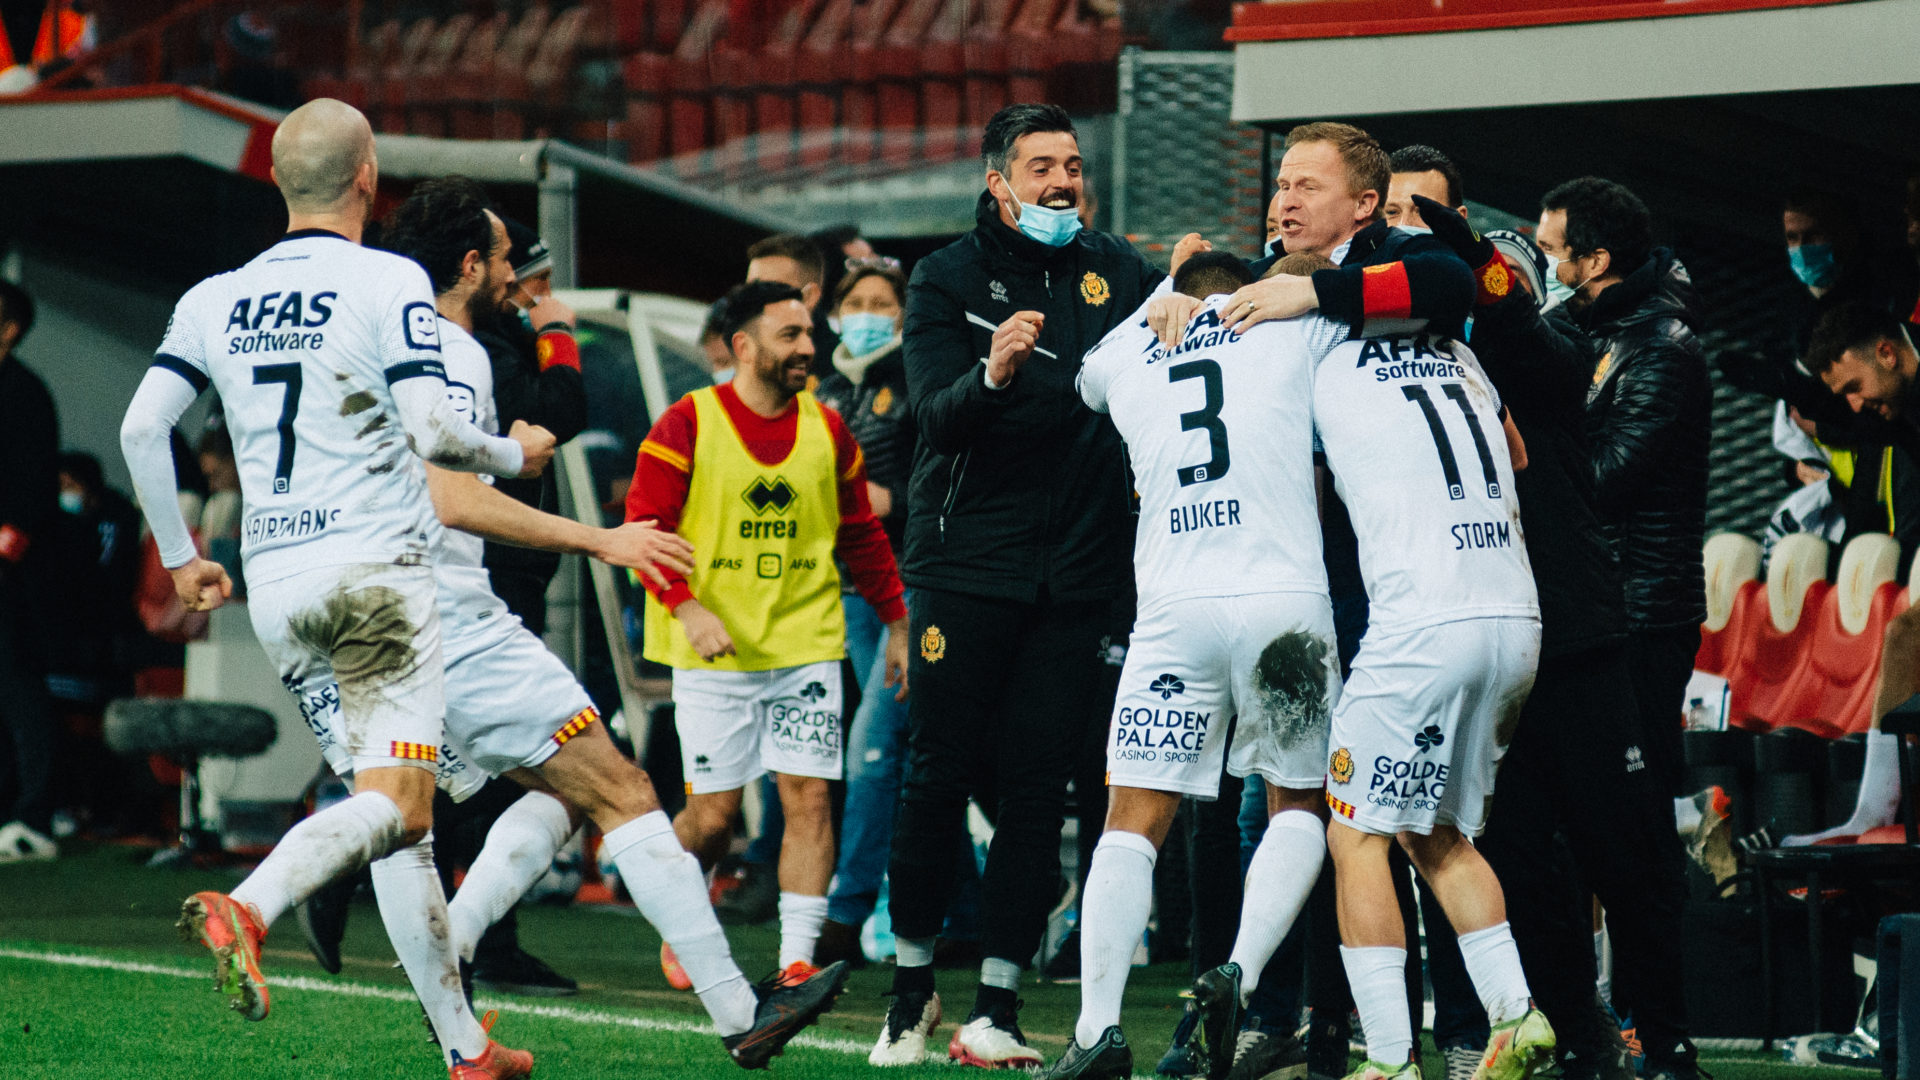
(94, 982)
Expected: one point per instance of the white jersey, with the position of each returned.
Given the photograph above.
(466, 590)
(1220, 434)
(302, 345)
(1411, 428)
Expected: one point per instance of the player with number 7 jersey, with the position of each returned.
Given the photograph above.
(326, 356)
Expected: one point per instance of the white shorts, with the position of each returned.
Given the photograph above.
(511, 703)
(359, 647)
(1424, 721)
(736, 725)
(1265, 662)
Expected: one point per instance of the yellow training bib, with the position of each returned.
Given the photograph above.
(763, 539)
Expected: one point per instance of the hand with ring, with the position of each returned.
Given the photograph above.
(1279, 297)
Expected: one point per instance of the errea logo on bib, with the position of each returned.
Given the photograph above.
(420, 324)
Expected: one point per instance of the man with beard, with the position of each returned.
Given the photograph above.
(1018, 548)
(770, 488)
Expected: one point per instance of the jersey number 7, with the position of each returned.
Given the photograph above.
(1206, 418)
(1449, 467)
(288, 375)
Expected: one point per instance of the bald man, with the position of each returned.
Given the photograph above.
(326, 357)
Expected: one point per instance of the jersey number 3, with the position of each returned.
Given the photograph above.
(1206, 418)
(1448, 466)
(288, 375)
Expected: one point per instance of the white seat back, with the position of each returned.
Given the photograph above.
(1732, 559)
(1868, 562)
(1798, 560)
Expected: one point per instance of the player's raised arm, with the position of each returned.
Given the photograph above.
(464, 502)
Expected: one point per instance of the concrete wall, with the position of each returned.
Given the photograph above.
(93, 338)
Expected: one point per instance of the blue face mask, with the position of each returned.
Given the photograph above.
(1558, 292)
(1812, 264)
(864, 332)
(72, 502)
(1054, 228)
(1273, 248)
(724, 375)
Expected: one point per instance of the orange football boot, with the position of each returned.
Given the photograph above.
(233, 933)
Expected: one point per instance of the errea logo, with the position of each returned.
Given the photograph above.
(763, 495)
(998, 292)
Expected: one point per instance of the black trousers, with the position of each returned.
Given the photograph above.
(1573, 770)
(998, 712)
(26, 717)
(1661, 661)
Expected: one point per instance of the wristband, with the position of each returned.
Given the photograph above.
(13, 544)
(1492, 281)
(556, 346)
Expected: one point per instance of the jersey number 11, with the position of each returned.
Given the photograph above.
(1448, 466)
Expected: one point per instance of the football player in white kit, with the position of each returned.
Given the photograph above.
(326, 356)
(1234, 640)
(514, 709)
(1413, 434)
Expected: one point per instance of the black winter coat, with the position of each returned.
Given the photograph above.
(555, 399)
(876, 414)
(1649, 420)
(1020, 491)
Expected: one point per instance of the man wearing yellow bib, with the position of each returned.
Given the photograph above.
(770, 489)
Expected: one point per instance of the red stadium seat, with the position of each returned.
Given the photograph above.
(389, 97)
(549, 75)
(690, 105)
(897, 75)
(1719, 647)
(820, 65)
(775, 96)
(873, 26)
(985, 52)
(476, 81)
(1834, 695)
(356, 85)
(1732, 562)
(1764, 670)
(436, 84)
(649, 79)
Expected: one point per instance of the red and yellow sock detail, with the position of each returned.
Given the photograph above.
(413, 751)
(575, 724)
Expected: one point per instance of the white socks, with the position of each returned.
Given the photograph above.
(800, 919)
(1686, 815)
(415, 911)
(1279, 878)
(1493, 963)
(1113, 915)
(1879, 797)
(1378, 977)
(913, 952)
(330, 844)
(519, 849)
(669, 889)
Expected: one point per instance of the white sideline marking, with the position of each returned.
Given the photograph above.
(482, 1001)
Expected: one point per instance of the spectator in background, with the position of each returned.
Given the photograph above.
(713, 344)
(93, 566)
(1649, 418)
(1019, 541)
(29, 501)
(220, 516)
(839, 245)
(1867, 358)
(794, 259)
(1421, 170)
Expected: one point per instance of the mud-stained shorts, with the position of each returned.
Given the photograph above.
(511, 703)
(736, 725)
(1264, 663)
(362, 641)
(1424, 721)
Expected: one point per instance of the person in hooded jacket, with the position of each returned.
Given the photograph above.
(1019, 541)
(1649, 420)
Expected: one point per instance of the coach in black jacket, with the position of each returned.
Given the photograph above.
(1649, 419)
(1019, 539)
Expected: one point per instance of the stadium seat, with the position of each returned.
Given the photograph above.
(859, 78)
(820, 65)
(474, 84)
(775, 95)
(1732, 565)
(897, 70)
(389, 96)
(430, 108)
(985, 52)
(649, 79)
(1844, 660)
(1769, 659)
(355, 85)
(549, 82)
(690, 104)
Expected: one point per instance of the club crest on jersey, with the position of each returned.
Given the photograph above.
(933, 645)
(1094, 289)
(883, 401)
(1340, 766)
